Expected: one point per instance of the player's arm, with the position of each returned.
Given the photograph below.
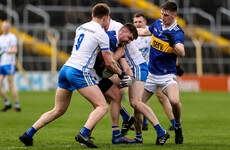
(110, 63)
(143, 32)
(179, 49)
(119, 53)
(125, 66)
(13, 50)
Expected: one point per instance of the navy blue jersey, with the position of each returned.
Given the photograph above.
(112, 40)
(162, 59)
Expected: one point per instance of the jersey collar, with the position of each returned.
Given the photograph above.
(170, 27)
(95, 23)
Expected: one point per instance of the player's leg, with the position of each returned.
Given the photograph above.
(14, 92)
(140, 107)
(97, 99)
(163, 99)
(128, 120)
(172, 91)
(114, 96)
(145, 121)
(7, 104)
(62, 100)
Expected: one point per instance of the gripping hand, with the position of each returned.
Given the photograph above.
(180, 71)
(169, 37)
(127, 81)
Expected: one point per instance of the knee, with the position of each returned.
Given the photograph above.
(59, 111)
(175, 102)
(117, 97)
(134, 104)
(105, 108)
(11, 87)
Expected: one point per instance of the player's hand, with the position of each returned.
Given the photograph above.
(169, 37)
(106, 73)
(127, 81)
(180, 71)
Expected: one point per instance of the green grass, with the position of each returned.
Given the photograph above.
(205, 121)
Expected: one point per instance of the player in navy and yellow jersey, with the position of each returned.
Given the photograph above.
(140, 71)
(167, 43)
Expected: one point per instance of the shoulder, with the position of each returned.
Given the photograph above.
(114, 25)
(12, 35)
(177, 28)
(156, 23)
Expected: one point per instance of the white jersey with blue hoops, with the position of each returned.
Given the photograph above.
(132, 55)
(6, 43)
(89, 40)
(143, 43)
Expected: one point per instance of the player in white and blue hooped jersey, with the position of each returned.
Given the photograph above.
(8, 51)
(167, 43)
(90, 38)
(137, 63)
(111, 91)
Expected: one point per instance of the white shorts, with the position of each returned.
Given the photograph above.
(154, 81)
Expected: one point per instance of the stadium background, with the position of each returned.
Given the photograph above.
(43, 26)
(205, 115)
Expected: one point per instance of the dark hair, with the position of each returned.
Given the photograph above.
(139, 14)
(100, 10)
(169, 5)
(132, 29)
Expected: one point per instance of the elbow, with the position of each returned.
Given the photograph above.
(182, 55)
(108, 64)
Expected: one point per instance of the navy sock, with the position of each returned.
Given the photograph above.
(85, 131)
(30, 133)
(124, 114)
(160, 131)
(116, 132)
(139, 135)
(17, 105)
(144, 120)
(6, 102)
(178, 124)
(173, 122)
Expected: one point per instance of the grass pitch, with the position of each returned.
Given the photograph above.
(205, 122)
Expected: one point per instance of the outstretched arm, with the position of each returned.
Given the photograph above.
(143, 32)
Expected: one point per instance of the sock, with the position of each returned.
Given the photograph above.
(85, 131)
(173, 122)
(116, 131)
(145, 121)
(7, 102)
(160, 131)
(16, 104)
(124, 114)
(139, 136)
(178, 124)
(30, 133)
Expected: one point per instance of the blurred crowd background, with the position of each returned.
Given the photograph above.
(44, 26)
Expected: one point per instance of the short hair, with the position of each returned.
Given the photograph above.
(6, 21)
(132, 29)
(169, 5)
(139, 14)
(100, 10)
